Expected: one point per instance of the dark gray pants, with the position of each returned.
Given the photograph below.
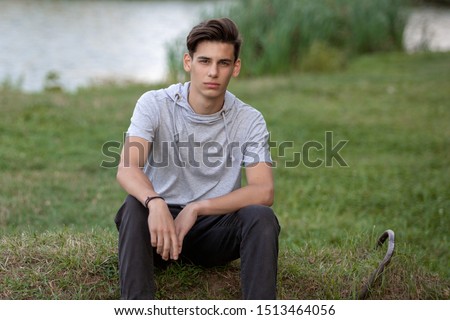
(250, 234)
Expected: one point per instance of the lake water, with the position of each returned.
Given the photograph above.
(85, 41)
(89, 41)
(428, 28)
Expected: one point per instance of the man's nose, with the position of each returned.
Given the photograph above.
(213, 70)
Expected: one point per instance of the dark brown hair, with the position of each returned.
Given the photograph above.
(222, 30)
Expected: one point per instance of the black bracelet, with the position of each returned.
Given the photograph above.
(150, 199)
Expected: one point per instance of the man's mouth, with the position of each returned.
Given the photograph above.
(212, 85)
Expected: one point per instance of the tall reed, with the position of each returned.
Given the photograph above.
(280, 35)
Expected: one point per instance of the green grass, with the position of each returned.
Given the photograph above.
(57, 204)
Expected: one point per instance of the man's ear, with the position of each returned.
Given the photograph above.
(237, 68)
(187, 62)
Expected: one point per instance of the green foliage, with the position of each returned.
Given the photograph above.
(280, 34)
(52, 81)
(8, 84)
(323, 58)
(175, 53)
(57, 204)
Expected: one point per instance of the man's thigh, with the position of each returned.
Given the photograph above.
(213, 240)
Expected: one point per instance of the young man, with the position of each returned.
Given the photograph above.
(181, 166)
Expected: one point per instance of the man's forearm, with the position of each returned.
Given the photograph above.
(242, 197)
(136, 183)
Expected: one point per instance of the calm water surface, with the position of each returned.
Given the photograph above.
(88, 41)
(428, 28)
(85, 41)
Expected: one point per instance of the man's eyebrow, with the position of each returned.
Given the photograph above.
(208, 58)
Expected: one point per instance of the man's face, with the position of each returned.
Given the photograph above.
(211, 69)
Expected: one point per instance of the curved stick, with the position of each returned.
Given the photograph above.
(387, 258)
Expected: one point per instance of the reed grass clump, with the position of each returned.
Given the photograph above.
(279, 34)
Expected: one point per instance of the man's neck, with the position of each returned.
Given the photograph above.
(206, 106)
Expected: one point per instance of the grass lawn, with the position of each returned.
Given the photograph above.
(392, 111)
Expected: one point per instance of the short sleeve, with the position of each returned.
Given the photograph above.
(256, 147)
(145, 118)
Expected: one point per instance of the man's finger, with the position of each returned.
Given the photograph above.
(180, 238)
(160, 244)
(153, 238)
(175, 247)
(166, 246)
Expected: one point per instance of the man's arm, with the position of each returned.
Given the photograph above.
(259, 190)
(129, 174)
(133, 180)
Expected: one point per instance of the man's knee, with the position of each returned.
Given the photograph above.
(261, 217)
(132, 213)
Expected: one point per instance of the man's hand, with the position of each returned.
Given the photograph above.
(184, 222)
(162, 230)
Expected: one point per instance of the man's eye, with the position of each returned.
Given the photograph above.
(224, 63)
(204, 61)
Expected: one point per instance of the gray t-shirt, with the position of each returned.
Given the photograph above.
(197, 156)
